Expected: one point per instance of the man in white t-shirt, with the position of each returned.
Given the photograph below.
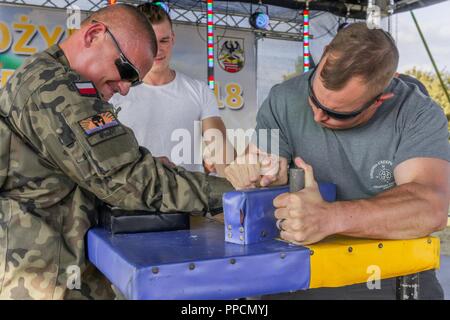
(170, 112)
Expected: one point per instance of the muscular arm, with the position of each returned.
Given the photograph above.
(416, 207)
(109, 162)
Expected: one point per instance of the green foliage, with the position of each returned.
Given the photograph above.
(433, 85)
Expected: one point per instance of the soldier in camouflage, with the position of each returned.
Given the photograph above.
(63, 150)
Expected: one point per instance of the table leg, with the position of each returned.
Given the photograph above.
(408, 287)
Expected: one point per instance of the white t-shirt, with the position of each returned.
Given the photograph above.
(167, 119)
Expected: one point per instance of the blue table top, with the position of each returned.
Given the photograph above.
(196, 264)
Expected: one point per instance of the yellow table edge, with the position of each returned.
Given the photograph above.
(341, 261)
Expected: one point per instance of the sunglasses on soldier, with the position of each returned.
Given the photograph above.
(127, 71)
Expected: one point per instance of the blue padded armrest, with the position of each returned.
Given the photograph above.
(249, 214)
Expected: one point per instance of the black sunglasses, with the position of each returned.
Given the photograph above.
(334, 114)
(127, 71)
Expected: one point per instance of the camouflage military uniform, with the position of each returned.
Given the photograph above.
(55, 165)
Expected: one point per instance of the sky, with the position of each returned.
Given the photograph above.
(435, 24)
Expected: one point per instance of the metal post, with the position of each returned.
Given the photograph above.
(306, 46)
(296, 179)
(210, 43)
(408, 287)
(444, 88)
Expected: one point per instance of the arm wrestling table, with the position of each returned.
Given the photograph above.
(198, 264)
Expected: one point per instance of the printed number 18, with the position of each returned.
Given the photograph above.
(233, 96)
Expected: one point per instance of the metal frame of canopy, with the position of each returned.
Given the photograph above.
(286, 16)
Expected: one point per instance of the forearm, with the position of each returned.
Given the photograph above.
(228, 156)
(142, 183)
(221, 154)
(407, 211)
(219, 151)
(158, 187)
(220, 169)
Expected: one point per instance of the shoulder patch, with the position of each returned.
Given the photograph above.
(86, 89)
(98, 122)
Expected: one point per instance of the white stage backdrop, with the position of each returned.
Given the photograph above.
(235, 69)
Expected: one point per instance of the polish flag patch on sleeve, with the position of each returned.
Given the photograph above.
(86, 89)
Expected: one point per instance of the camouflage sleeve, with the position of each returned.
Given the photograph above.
(81, 136)
(5, 135)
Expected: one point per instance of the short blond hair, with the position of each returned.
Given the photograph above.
(155, 13)
(126, 18)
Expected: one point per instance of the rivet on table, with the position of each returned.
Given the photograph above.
(241, 229)
(282, 255)
(155, 270)
(380, 245)
(311, 252)
(230, 235)
(350, 249)
(191, 266)
(230, 227)
(429, 241)
(241, 238)
(233, 261)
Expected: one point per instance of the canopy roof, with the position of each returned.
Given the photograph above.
(287, 9)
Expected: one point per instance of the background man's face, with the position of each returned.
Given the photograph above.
(166, 41)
